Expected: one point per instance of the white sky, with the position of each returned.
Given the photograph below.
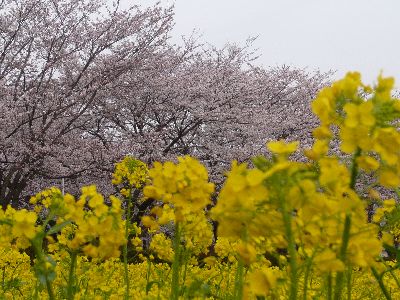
(342, 35)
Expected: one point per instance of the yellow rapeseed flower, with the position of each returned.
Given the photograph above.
(383, 88)
(262, 281)
(282, 148)
(247, 253)
(367, 163)
(327, 262)
(24, 224)
(386, 142)
(361, 114)
(389, 178)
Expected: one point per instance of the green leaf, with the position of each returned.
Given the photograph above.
(262, 163)
(150, 284)
(58, 227)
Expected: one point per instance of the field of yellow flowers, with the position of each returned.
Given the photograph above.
(278, 229)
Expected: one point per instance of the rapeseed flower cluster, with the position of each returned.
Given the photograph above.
(88, 224)
(184, 191)
(313, 209)
(184, 185)
(129, 173)
(17, 228)
(99, 230)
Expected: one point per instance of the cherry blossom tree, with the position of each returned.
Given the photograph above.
(213, 104)
(82, 84)
(56, 57)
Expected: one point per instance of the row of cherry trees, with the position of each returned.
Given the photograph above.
(83, 83)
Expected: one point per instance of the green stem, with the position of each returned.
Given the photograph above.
(395, 278)
(125, 248)
(71, 276)
(50, 290)
(148, 273)
(38, 249)
(381, 285)
(3, 283)
(342, 256)
(347, 226)
(238, 292)
(186, 256)
(176, 265)
(306, 275)
(329, 279)
(36, 293)
(287, 220)
(228, 281)
(349, 273)
(354, 168)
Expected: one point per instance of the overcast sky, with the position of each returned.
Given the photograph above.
(342, 35)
